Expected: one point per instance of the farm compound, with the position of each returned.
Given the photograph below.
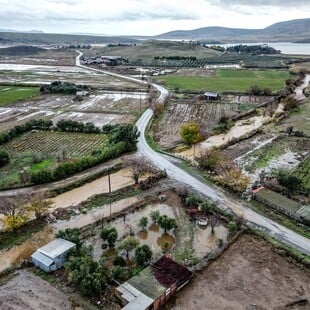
(53, 255)
(154, 285)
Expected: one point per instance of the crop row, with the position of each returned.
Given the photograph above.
(74, 144)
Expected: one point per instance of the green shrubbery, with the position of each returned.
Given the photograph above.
(59, 87)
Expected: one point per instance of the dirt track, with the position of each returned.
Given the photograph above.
(249, 275)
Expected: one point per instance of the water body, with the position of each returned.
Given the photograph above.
(284, 47)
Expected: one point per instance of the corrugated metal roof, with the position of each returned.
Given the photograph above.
(43, 259)
(136, 299)
(56, 247)
(210, 94)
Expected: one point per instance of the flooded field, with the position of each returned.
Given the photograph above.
(188, 235)
(100, 108)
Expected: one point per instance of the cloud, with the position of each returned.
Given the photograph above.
(257, 3)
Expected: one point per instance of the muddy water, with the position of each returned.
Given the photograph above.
(239, 129)
(204, 241)
(96, 214)
(74, 197)
(154, 236)
(23, 251)
(299, 95)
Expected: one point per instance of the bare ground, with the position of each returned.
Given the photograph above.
(249, 275)
(28, 292)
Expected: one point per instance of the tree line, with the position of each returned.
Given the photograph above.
(58, 87)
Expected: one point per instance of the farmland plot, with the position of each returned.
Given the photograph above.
(39, 150)
(178, 113)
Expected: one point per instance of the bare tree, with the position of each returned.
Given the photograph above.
(39, 204)
(213, 222)
(138, 166)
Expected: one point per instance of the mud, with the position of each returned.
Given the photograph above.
(249, 275)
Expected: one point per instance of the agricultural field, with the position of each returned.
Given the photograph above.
(229, 80)
(53, 57)
(284, 151)
(12, 94)
(303, 173)
(38, 150)
(249, 275)
(207, 114)
(38, 74)
(299, 119)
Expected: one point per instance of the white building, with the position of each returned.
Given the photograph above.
(53, 255)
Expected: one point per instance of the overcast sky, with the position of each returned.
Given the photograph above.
(145, 17)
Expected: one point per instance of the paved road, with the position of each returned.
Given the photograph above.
(253, 219)
(224, 202)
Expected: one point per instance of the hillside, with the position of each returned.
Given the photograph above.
(20, 50)
(293, 30)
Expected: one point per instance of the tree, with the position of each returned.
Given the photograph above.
(86, 274)
(129, 244)
(206, 207)
(73, 235)
(291, 182)
(213, 222)
(143, 222)
(143, 254)
(192, 201)
(254, 90)
(4, 158)
(119, 261)
(14, 211)
(191, 133)
(110, 235)
(125, 133)
(167, 223)
(209, 158)
(39, 205)
(155, 215)
(138, 166)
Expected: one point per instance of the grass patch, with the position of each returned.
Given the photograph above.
(9, 239)
(12, 94)
(45, 164)
(228, 80)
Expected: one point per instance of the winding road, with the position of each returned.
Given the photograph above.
(224, 202)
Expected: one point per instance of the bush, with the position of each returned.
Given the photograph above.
(4, 158)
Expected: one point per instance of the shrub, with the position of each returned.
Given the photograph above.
(4, 158)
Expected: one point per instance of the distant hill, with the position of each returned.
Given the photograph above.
(58, 39)
(20, 50)
(293, 30)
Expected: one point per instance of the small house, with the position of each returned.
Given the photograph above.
(154, 285)
(53, 255)
(208, 95)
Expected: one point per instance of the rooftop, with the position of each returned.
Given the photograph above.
(56, 247)
(154, 280)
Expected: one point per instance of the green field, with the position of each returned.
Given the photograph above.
(229, 80)
(303, 173)
(38, 150)
(11, 94)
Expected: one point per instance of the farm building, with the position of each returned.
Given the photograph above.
(283, 204)
(208, 95)
(154, 285)
(53, 255)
